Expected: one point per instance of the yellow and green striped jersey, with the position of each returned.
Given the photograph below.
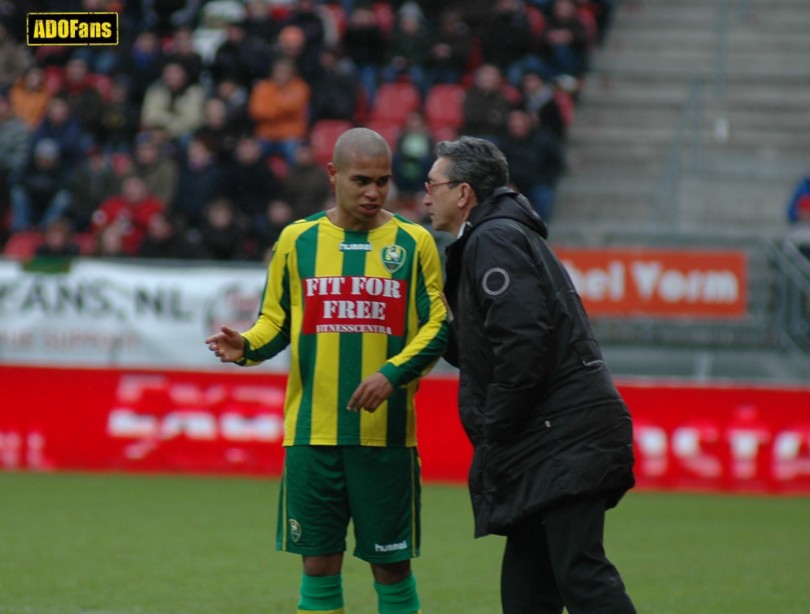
(351, 303)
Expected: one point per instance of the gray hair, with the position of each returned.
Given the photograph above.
(477, 162)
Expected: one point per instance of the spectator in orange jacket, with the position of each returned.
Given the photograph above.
(278, 106)
(29, 96)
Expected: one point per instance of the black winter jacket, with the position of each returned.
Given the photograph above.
(536, 399)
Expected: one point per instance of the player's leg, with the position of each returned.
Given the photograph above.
(385, 497)
(587, 580)
(312, 520)
(527, 579)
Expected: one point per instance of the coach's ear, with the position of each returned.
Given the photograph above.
(466, 197)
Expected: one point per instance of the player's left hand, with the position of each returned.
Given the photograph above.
(371, 393)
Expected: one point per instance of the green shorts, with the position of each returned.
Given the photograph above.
(378, 489)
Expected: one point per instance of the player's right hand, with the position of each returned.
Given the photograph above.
(227, 345)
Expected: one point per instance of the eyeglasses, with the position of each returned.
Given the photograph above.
(430, 186)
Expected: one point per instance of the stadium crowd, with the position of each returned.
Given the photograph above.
(207, 128)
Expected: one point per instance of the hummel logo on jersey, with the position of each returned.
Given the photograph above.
(355, 247)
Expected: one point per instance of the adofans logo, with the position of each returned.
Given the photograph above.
(72, 29)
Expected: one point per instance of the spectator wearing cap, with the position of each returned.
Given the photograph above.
(798, 208)
(798, 215)
(40, 194)
(60, 124)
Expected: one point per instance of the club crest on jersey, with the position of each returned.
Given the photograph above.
(393, 257)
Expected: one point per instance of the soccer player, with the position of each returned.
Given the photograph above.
(356, 293)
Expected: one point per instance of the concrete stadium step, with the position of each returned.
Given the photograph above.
(622, 158)
(616, 88)
(719, 202)
(607, 197)
(752, 128)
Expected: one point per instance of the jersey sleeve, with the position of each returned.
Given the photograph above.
(270, 334)
(430, 341)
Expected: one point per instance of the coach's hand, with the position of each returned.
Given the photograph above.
(227, 345)
(371, 393)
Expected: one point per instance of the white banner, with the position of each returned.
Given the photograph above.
(125, 314)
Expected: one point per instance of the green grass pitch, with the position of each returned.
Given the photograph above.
(132, 544)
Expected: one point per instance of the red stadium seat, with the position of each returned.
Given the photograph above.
(537, 21)
(394, 102)
(386, 18)
(389, 131)
(22, 245)
(588, 18)
(278, 165)
(566, 104)
(444, 133)
(511, 93)
(86, 242)
(323, 135)
(54, 78)
(104, 84)
(444, 107)
(335, 18)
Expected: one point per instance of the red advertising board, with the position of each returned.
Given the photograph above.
(687, 437)
(660, 283)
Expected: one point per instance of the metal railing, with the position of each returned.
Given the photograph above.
(689, 129)
(792, 309)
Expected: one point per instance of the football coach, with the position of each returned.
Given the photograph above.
(552, 437)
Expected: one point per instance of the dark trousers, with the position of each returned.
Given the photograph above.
(555, 558)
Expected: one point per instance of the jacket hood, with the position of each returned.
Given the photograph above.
(508, 204)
